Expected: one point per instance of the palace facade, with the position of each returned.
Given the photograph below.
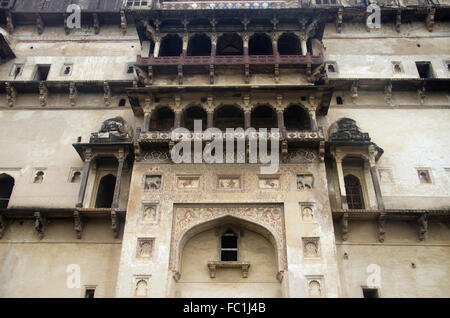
(92, 203)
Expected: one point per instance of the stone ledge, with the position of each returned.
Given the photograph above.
(213, 265)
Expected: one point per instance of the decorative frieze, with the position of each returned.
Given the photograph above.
(305, 181)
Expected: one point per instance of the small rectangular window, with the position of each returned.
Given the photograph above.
(424, 69)
(370, 293)
(89, 293)
(42, 72)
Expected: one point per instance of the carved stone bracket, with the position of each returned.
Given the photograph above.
(9, 22)
(176, 276)
(398, 20)
(3, 224)
(43, 93)
(388, 93)
(247, 73)
(115, 224)
(39, 24)
(11, 94)
(322, 151)
(40, 223)
(214, 265)
(123, 22)
(211, 74)
(78, 223)
(284, 151)
(430, 19)
(73, 94)
(421, 94)
(339, 20)
(354, 90)
(180, 74)
(381, 221)
(107, 93)
(277, 73)
(345, 227)
(423, 227)
(280, 276)
(96, 23)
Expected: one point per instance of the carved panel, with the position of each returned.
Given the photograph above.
(141, 286)
(386, 175)
(269, 182)
(144, 247)
(307, 212)
(229, 182)
(152, 182)
(188, 182)
(315, 287)
(311, 247)
(149, 213)
(305, 181)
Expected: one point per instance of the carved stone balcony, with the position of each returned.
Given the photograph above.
(230, 60)
(291, 135)
(214, 265)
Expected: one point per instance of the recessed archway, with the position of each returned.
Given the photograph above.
(289, 44)
(171, 45)
(6, 188)
(296, 118)
(229, 117)
(199, 45)
(162, 119)
(105, 192)
(263, 117)
(260, 44)
(194, 113)
(230, 44)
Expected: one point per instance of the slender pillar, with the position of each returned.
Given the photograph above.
(84, 179)
(376, 185)
(185, 44)
(177, 121)
(245, 43)
(156, 49)
(313, 120)
(147, 117)
(280, 120)
(341, 183)
(303, 45)
(115, 203)
(209, 119)
(247, 119)
(213, 45)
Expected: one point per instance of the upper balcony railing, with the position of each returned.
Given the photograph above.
(230, 60)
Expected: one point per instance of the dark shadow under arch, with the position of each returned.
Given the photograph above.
(6, 188)
(105, 192)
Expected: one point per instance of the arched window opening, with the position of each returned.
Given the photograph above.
(260, 44)
(263, 117)
(354, 192)
(230, 44)
(289, 44)
(171, 45)
(229, 117)
(199, 45)
(296, 118)
(6, 187)
(162, 119)
(105, 191)
(229, 247)
(194, 113)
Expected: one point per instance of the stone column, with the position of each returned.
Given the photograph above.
(147, 117)
(185, 44)
(210, 119)
(121, 159)
(177, 121)
(213, 44)
(340, 173)
(303, 45)
(84, 178)
(275, 44)
(157, 47)
(247, 119)
(280, 120)
(374, 175)
(313, 120)
(245, 40)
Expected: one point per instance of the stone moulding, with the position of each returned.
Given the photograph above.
(214, 265)
(190, 219)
